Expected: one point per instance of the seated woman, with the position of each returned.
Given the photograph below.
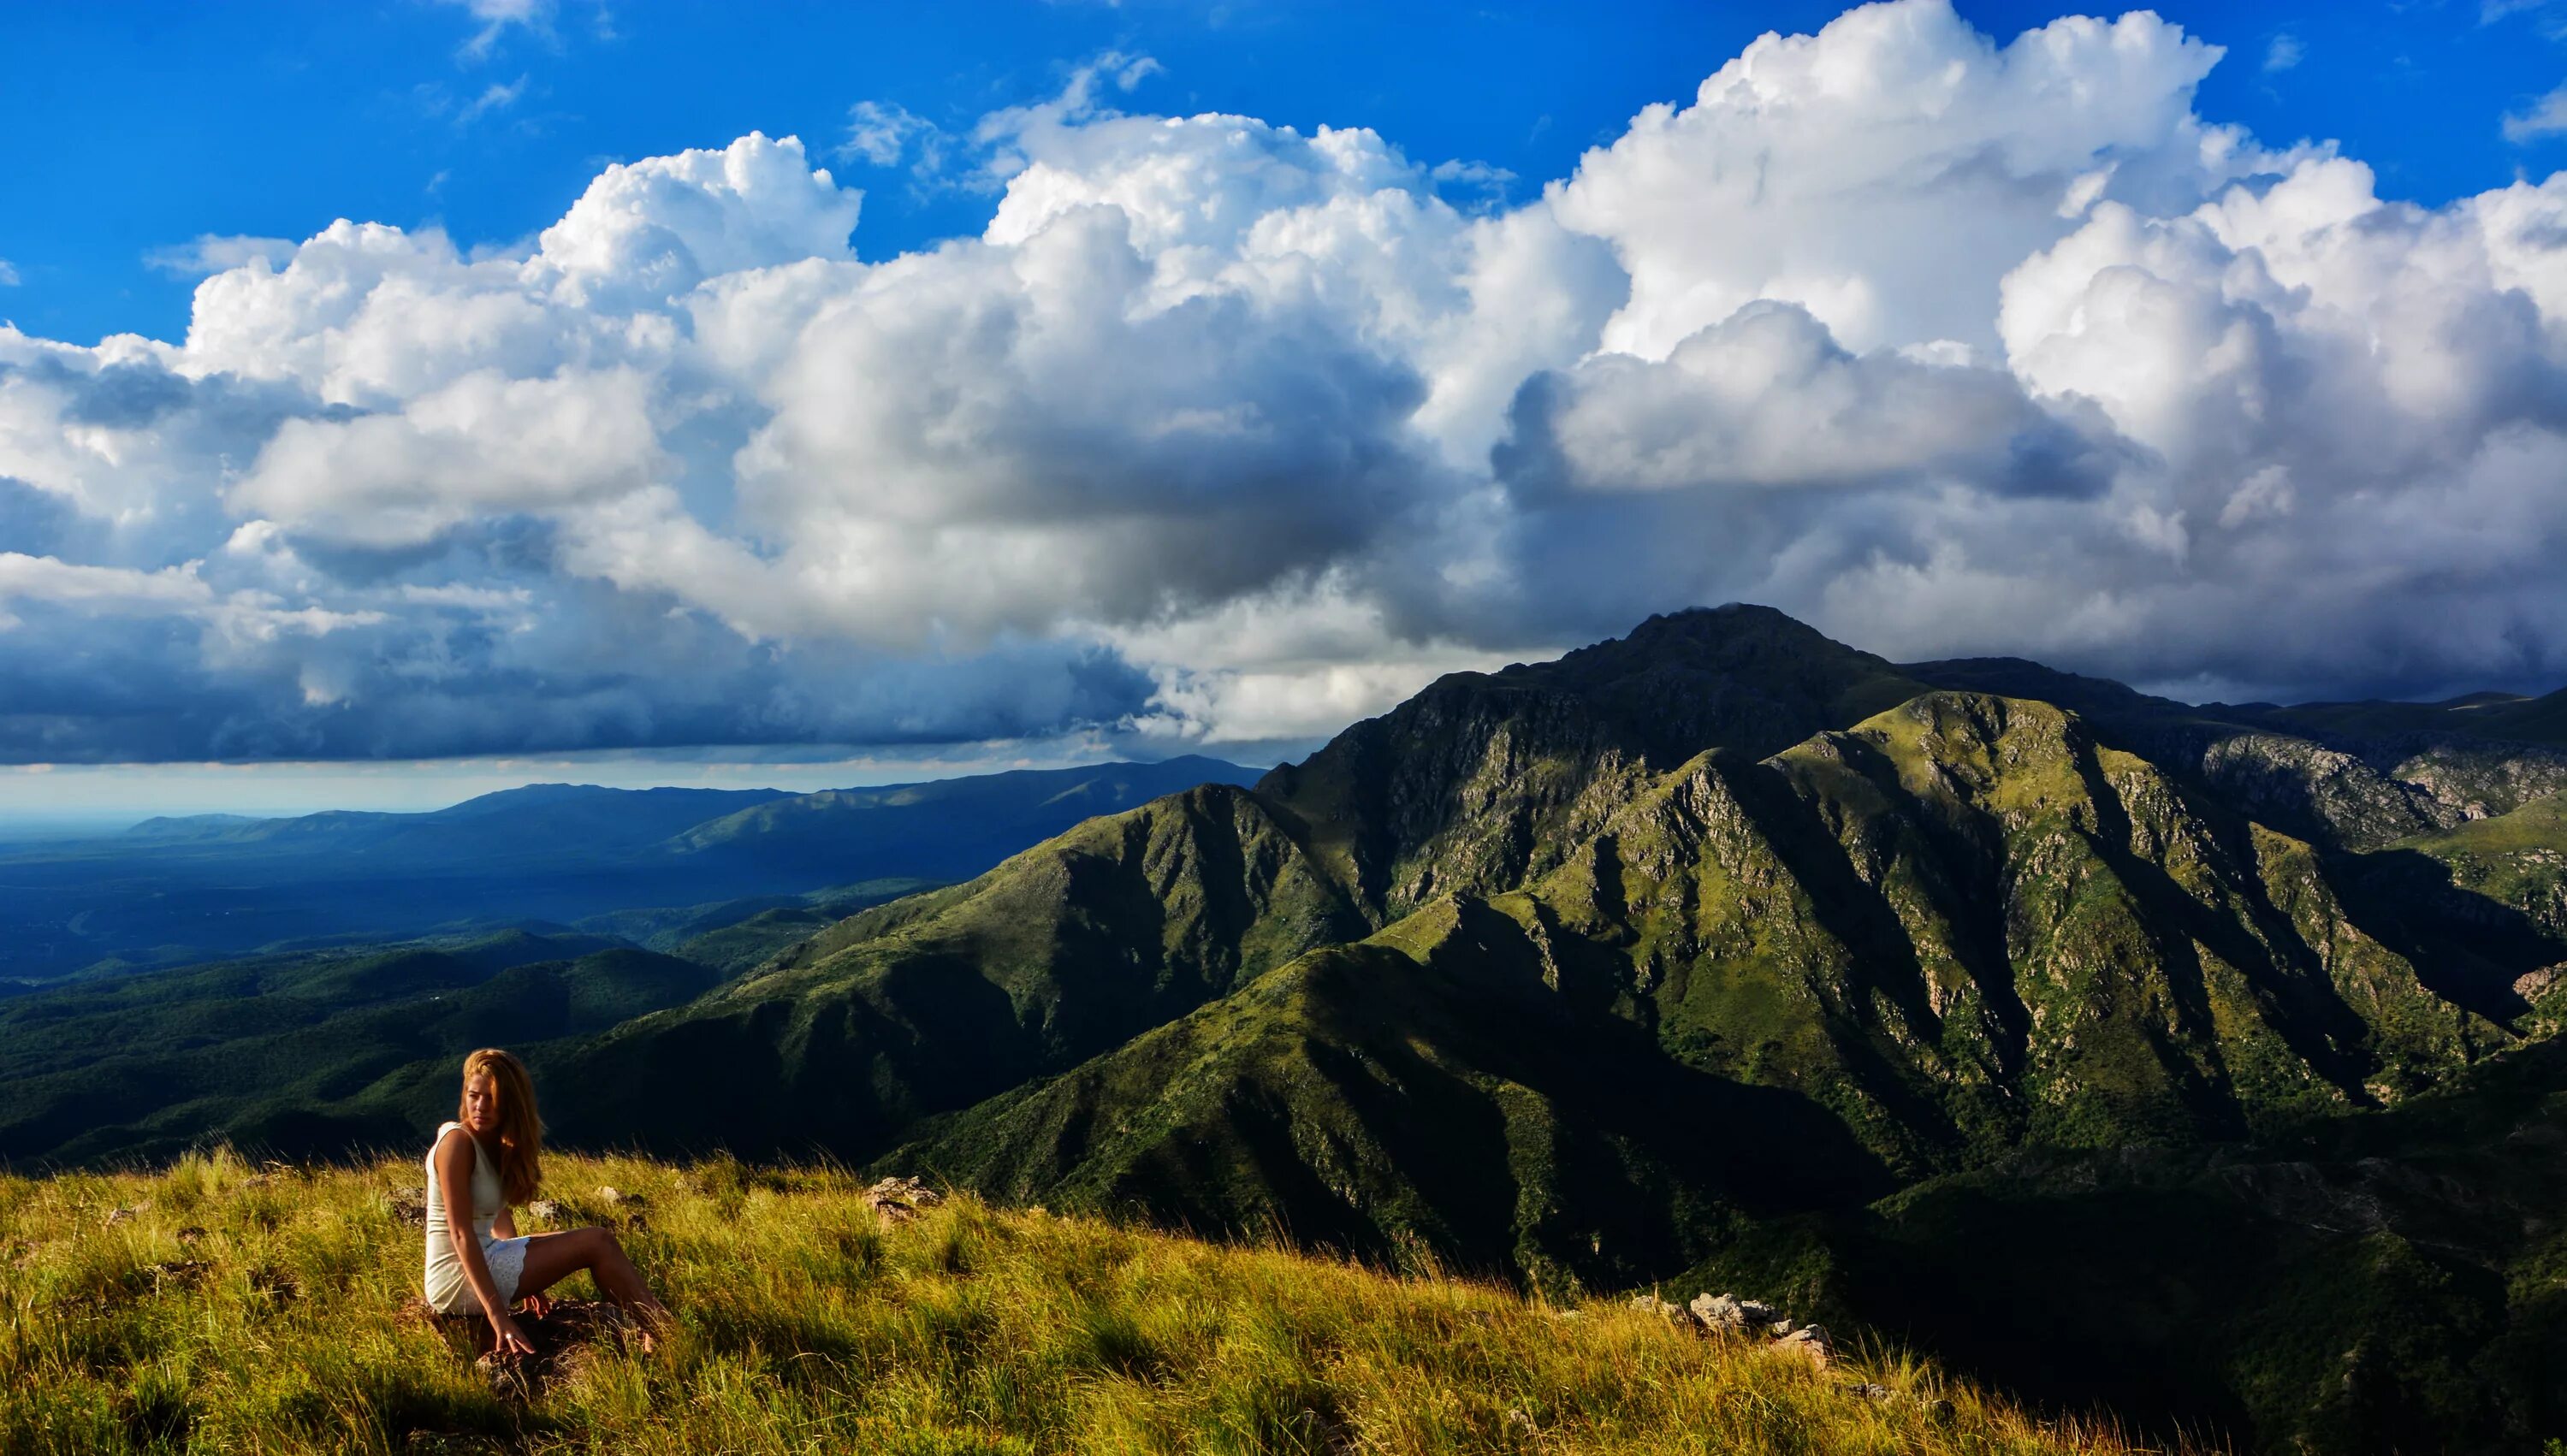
(492, 1159)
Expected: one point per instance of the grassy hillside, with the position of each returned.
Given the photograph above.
(240, 1311)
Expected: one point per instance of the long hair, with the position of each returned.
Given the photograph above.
(521, 1131)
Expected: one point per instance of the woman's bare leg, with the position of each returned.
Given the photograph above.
(552, 1258)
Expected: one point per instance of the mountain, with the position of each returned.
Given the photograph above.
(173, 891)
(2339, 779)
(301, 1053)
(1590, 971)
(1725, 953)
(1959, 928)
(1061, 953)
(532, 823)
(1483, 778)
(2387, 1282)
(2503, 717)
(1072, 947)
(1959, 924)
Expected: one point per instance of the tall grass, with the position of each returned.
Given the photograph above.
(808, 1324)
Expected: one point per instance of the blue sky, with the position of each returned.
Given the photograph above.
(689, 392)
(144, 127)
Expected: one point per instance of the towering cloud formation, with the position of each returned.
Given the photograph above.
(1223, 431)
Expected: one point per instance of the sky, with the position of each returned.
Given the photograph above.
(396, 397)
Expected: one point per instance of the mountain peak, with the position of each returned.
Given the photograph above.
(1481, 778)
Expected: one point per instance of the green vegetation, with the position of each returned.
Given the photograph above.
(2124, 1050)
(240, 1311)
(2518, 860)
(2500, 716)
(182, 891)
(2383, 1282)
(1484, 778)
(734, 935)
(932, 1003)
(300, 1053)
(1365, 1100)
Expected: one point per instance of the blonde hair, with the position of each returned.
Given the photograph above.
(521, 1131)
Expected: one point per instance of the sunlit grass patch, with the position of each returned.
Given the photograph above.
(217, 1306)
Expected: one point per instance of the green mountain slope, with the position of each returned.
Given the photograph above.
(1426, 1088)
(2389, 1282)
(2125, 1047)
(207, 1307)
(1958, 928)
(936, 1002)
(172, 892)
(1483, 778)
(301, 1053)
(2341, 781)
(2500, 716)
(1131, 920)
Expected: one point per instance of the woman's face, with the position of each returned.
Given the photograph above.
(481, 1105)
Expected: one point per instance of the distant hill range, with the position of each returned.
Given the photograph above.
(178, 890)
(2202, 1059)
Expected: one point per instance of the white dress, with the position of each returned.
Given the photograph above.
(448, 1289)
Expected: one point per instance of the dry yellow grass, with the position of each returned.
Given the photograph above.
(808, 1324)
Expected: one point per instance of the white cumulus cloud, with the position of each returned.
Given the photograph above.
(1221, 432)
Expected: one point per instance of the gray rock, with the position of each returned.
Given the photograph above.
(1719, 1312)
(1653, 1304)
(898, 1200)
(1810, 1340)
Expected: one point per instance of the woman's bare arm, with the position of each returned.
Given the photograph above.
(455, 1159)
(505, 1225)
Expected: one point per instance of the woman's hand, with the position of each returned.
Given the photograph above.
(505, 1341)
(535, 1307)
